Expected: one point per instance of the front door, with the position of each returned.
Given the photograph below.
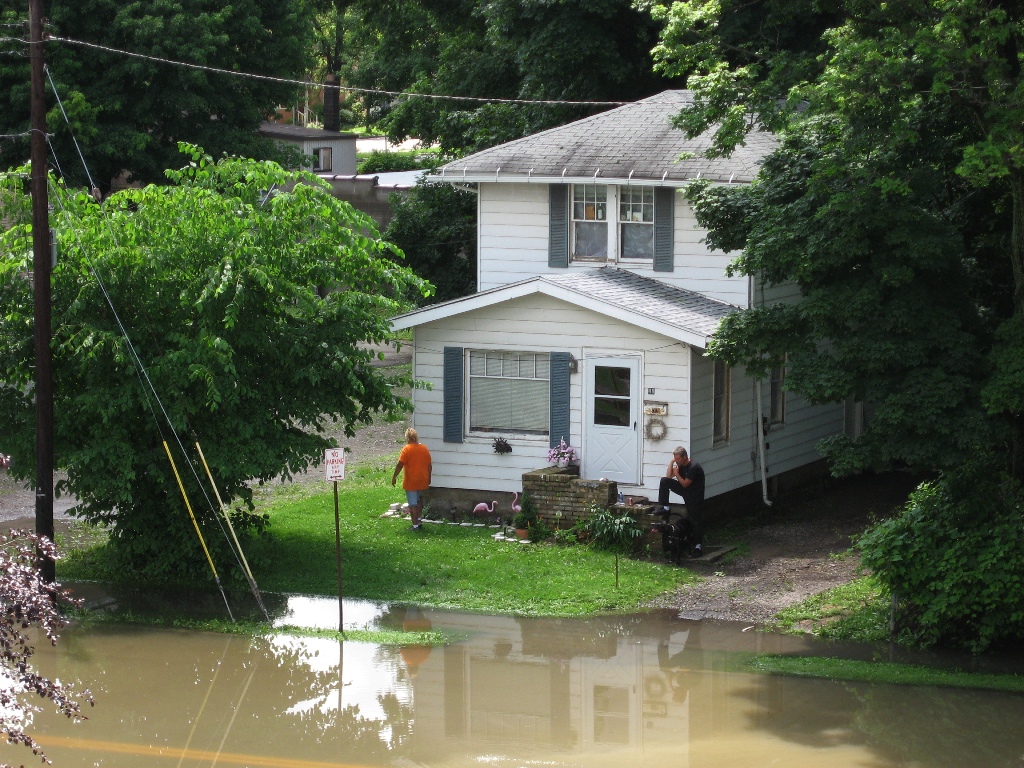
(611, 436)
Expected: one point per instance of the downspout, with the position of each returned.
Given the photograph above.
(760, 427)
(761, 422)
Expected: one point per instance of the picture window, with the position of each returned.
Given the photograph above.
(509, 392)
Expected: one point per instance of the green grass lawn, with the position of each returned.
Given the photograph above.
(442, 565)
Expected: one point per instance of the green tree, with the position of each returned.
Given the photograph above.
(896, 204)
(129, 113)
(331, 19)
(216, 277)
(563, 50)
(435, 226)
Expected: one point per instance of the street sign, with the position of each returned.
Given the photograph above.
(334, 464)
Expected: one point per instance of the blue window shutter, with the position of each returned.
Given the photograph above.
(664, 224)
(558, 225)
(558, 414)
(453, 383)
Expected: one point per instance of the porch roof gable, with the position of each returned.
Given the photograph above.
(677, 313)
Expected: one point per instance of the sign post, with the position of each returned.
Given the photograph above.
(334, 464)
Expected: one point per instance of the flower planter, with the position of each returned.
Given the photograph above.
(522, 533)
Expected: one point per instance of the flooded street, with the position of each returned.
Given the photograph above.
(621, 691)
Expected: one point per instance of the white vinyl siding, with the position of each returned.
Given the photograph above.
(680, 377)
(541, 324)
(513, 245)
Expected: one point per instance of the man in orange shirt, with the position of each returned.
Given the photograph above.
(415, 460)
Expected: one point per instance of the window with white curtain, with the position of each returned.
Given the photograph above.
(590, 221)
(636, 222)
(509, 392)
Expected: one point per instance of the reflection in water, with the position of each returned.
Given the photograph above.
(623, 691)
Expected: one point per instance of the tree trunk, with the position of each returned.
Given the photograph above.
(332, 117)
(1017, 262)
(1017, 239)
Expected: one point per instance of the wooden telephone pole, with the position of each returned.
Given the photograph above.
(41, 282)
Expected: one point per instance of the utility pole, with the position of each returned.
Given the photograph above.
(41, 282)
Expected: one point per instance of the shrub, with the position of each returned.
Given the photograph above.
(527, 515)
(540, 531)
(388, 162)
(577, 534)
(615, 532)
(953, 557)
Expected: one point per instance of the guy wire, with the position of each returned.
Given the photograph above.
(92, 184)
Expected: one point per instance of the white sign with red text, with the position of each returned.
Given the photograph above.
(334, 464)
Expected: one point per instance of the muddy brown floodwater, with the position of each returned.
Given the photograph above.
(624, 692)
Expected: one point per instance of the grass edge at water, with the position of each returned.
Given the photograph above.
(882, 672)
(262, 629)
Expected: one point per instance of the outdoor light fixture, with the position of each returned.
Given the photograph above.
(574, 364)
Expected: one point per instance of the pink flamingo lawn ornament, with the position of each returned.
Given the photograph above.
(482, 509)
(516, 508)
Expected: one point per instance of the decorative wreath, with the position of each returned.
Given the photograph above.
(655, 429)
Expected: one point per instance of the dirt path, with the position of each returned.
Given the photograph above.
(793, 551)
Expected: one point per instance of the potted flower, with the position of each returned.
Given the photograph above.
(562, 454)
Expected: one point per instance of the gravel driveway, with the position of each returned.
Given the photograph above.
(794, 550)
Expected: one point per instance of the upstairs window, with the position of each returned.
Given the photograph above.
(600, 223)
(636, 222)
(590, 221)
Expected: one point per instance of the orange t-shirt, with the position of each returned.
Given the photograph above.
(415, 460)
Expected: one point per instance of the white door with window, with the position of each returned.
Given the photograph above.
(611, 428)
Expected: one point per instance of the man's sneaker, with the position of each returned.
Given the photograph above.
(697, 551)
(417, 527)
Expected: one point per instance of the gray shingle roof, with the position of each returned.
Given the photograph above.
(637, 138)
(678, 307)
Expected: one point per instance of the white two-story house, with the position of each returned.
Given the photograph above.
(596, 299)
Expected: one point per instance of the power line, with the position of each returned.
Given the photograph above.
(331, 86)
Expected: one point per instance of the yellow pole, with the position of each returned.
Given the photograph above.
(238, 546)
(199, 533)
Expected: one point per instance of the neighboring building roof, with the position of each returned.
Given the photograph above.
(287, 132)
(633, 142)
(641, 301)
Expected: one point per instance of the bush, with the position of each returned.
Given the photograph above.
(388, 162)
(527, 515)
(618, 533)
(577, 534)
(953, 557)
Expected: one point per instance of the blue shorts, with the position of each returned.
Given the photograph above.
(413, 497)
